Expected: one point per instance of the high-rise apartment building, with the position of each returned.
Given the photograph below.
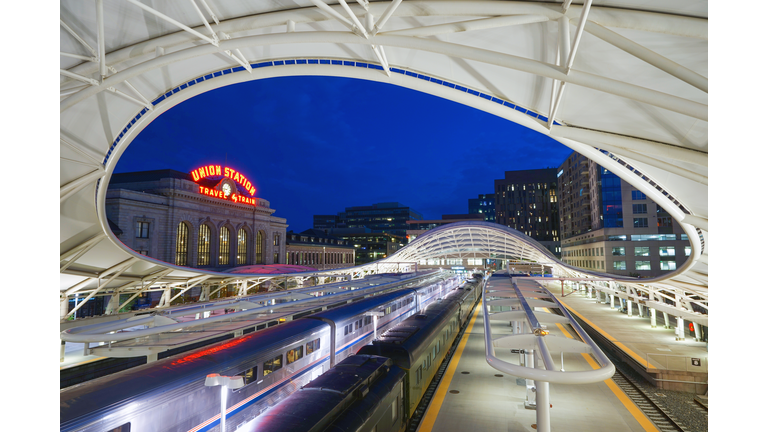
(609, 226)
(389, 218)
(527, 201)
(484, 204)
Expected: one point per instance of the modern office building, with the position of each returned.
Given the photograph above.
(484, 204)
(526, 201)
(611, 227)
(369, 246)
(389, 218)
(314, 248)
(208, 218)
(418, 227)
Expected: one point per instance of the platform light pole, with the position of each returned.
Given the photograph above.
(226, 382)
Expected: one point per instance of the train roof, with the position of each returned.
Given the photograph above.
(343, 313)
(176, 371)
(405, 341)
(353, 384)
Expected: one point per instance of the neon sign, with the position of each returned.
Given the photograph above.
(215, 170)
(226, 189)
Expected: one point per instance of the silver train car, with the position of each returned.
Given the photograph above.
(170, 394)
(379, 388)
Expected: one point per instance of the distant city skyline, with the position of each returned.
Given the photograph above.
(316, 145)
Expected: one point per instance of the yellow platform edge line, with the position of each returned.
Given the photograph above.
(428, 422)
(626, 349)
(641, 418)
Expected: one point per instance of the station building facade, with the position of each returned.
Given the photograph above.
(208, 218)
(611, 227)
(316, 249)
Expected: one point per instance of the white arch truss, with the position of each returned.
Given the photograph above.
(623, 82)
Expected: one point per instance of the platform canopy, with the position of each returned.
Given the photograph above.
(623, 82)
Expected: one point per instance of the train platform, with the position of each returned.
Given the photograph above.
(654, 352)
(474, 396)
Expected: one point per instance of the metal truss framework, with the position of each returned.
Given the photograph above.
(623, 83)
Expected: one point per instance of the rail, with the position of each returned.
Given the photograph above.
(534, 343)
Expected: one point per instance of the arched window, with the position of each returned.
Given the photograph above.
(242, 247)
(204, 246)
(224, 246)
(182, 244)
(259, 246)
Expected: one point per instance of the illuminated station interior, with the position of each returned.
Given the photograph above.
(394, 344)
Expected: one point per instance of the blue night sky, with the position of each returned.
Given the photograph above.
(315, 145)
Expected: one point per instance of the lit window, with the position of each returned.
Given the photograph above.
(667, 251)
(224, 246)
(242, 251)
(687, 251)
(642, 265)
(204, 246)
(668, 265)
(182, 240)
(642, 251)
(619, 265)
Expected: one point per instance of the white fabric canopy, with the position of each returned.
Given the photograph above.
(634, 98)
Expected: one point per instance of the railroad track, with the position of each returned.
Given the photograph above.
(647, 404)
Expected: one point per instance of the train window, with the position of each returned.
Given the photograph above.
(294, 354)
(361, 323)
(273, 365)
(418, 375)
(368, 320)
(313, 346)
(124, 428)
(350, 328)
(250, 375)
(357, 325)
(437, 346)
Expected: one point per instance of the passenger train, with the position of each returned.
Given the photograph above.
(170, 394)
(380, 388)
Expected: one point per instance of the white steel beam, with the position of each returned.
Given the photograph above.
(79, 57)
(210, 12)
(69, 30)
(386, 15)
(145, 287)
(585, 79)
(327, 10)
(79, 150)
(75, 185)
(648, 56)
(651, 148)
(472, 25)
(352, 15)
(103, 285)
(174, 22)
(87, 80)
(579, 32)
(205, 21)
(81, 246)
(102, 42)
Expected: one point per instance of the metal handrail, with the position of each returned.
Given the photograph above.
(551, 373)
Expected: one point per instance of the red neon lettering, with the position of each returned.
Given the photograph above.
(218, 169)
(195, 176)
